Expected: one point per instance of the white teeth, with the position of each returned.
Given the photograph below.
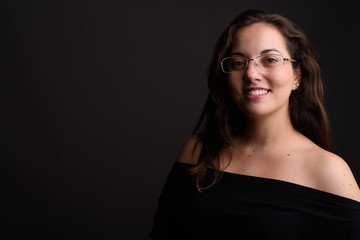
(257, 92)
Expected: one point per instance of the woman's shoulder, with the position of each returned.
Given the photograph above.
(331, 173)
(190, 151)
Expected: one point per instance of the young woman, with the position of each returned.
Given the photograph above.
(258, 164)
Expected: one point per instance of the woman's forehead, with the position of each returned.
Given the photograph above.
(257, 38)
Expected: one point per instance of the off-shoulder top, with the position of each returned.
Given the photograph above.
(248, 207)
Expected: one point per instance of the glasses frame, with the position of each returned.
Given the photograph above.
(256, 64)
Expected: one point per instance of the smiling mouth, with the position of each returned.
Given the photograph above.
(257, 92)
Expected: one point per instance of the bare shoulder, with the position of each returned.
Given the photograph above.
(332, 174)
(188, 153)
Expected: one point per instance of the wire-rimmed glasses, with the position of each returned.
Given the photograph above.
(262, 62)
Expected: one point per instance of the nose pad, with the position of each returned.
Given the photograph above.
(255, 64)
(252, 72)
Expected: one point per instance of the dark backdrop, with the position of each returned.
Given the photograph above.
(100, 95)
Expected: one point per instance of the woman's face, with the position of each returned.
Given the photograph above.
(259, 91)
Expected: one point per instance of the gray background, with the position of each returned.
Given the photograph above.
(88, 137)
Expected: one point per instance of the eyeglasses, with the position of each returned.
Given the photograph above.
(263, 62)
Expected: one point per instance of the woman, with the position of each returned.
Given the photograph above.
(258, 164)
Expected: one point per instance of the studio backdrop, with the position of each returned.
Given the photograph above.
(99, 97)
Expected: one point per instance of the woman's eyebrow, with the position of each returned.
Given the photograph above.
(237, 54)
(265, 51)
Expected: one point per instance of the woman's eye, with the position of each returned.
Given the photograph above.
(271, 60)
(238, 63)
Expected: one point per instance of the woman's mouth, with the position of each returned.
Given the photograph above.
(256, 92)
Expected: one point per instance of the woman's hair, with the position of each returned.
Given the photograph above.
(221, 120)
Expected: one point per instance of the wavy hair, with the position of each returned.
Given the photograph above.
(221, 120)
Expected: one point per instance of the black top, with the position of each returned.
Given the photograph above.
(247, 207)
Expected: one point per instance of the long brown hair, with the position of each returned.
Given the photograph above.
(221, 120)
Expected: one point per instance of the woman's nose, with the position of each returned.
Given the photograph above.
(252, 69)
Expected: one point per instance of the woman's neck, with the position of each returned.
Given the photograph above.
(262, 132)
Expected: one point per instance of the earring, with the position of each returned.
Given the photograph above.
(295, 86)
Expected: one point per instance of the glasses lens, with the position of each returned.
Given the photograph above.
(270, 60)
(263, 62)
(232, 64)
